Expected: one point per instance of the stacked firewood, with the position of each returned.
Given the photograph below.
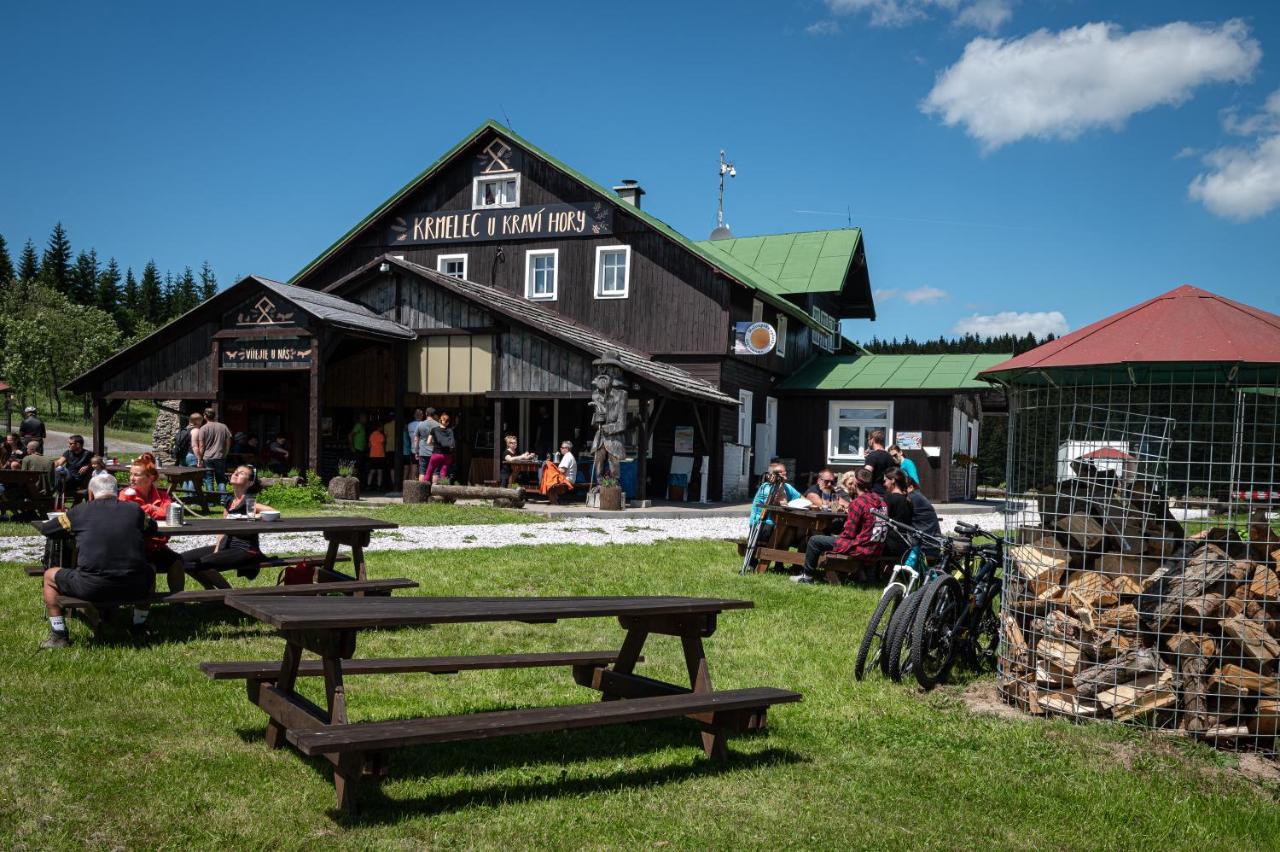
(1112, 612)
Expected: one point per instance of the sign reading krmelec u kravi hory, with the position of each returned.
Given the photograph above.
(593, 218)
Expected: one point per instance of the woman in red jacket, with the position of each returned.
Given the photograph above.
(155, 505)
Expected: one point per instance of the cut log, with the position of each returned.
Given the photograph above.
(1194, 694)
(1249, 681)
(1066, 704)
(1123, 617)
(1191, 644)
(1265, 584)
(1148, 693)
(1204, 608)
(1060, 659)
(415, 491)
(1041, 569)
(1125, 586)
(1119, 565)
(1126, 668)
(1266, 719)
(1207, 571)
(1253, 638)
(476, 492)
(1015, 644)
(1091, 589)
(1083, 531)
(1058, 625)
(1225, 732)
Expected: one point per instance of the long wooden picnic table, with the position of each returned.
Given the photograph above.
(790, 528)
(329, 627)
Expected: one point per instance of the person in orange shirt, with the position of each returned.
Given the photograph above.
(155, 505)
(377, 456)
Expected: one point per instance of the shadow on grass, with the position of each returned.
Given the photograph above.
(546, 755)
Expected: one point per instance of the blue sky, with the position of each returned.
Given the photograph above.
(1014, 165)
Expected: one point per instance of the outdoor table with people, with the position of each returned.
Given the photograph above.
(329, 627)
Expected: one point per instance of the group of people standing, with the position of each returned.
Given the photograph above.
(431, 443)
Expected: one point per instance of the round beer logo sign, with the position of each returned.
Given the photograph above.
(760, 338)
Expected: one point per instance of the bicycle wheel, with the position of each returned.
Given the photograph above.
(895, 658)
(932, 648)
(872, 647)
(986, 634)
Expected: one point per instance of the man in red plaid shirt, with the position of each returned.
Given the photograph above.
(863, 535)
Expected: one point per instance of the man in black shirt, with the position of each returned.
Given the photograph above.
(71, 470)
(31, 428)
(111, 563)
(878, 460)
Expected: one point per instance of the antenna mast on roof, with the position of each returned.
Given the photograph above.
(722, 231)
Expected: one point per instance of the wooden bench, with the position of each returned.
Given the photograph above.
(22, 492)
(269, 670)
(837, 566)
(312, 561)
(90, 612)
(733, 709)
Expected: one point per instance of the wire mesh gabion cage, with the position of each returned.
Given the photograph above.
(1142, 582)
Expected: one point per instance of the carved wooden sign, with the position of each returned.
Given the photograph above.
(282, 353)
(545, 221)
(264, 312)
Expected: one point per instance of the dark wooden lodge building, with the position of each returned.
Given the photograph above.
(486, 287)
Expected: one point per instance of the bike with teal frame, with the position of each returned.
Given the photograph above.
(903, 580)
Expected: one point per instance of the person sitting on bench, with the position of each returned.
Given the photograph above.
(558, 477)
(155, 504)
(72, 470)
(231, 552)
(862, 537)
(901, 509)
(111, 561)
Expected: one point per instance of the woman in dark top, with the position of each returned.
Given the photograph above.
(442, 443)
(900, 510)
(238, 552)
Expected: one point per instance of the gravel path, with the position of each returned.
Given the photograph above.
(590, 531)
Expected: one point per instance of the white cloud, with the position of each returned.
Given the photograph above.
(1244, 183)
(986, 15)
(884, 295)
(924, 295)
(1058, 85)
(823, 28)
(1186, 151)
(1038, 323)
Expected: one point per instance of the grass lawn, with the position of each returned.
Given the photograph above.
(116, 745)
(430, 514)
(139, 436)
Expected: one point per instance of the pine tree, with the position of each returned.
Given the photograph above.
(208, 282)
(55, 264)
(107, 295)
(132, 303)
(169, 295)
(29, 265)
(84, 278)
(150, 298)
(6, 264)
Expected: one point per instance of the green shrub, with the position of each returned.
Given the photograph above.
(310, 494)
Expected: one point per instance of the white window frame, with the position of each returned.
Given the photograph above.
(626, 271)
(834, 421)
(746, 405)
(528, 275)
(445, 258)
(757, 310)
(782, 335)
(502, 177)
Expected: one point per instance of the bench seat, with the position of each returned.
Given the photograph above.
(374, 736)
(345, 587)
(311, 561)
(269, 670)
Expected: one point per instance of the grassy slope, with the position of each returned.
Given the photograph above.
(130, 746)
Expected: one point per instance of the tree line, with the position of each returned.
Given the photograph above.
(993, 432)
(63, 312)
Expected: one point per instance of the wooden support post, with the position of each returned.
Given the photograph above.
(288, 676)
(642, 451)
(399, 352)
(313, 407)
(497, 441)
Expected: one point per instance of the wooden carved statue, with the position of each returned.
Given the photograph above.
(609, 416)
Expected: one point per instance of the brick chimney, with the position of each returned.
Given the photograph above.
(629, 191)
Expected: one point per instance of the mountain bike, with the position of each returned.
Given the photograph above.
(902, 582)
(960, 618)
(895, 659)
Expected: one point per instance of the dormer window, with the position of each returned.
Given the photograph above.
(496, 191)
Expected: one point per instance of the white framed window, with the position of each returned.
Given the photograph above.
(757, 310)
(849, 422)
(453, 265)
(540, 273)
(746, 399)
(496, 191)
(782, 335)
(613, 272)
(824, 340)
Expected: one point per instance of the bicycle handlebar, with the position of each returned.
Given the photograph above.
(907, 531)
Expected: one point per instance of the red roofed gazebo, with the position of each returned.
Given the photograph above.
(1142, 450)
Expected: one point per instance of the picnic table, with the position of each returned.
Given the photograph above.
(179, 477)
(791, 529)
(328, 628)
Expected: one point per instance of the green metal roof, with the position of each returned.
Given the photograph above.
(770, 290)
(892, 372)
(801, 263)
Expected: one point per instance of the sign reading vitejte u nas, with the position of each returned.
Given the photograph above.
(593, 218)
